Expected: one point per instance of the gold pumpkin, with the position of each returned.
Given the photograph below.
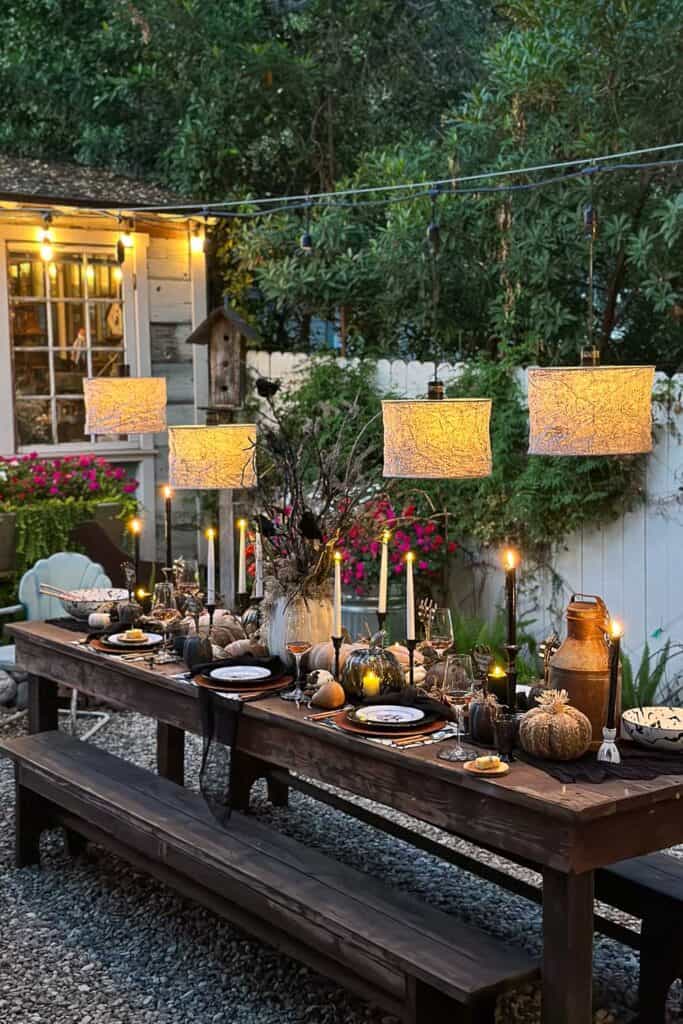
(555, 730)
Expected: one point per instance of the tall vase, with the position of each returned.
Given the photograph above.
(277, 608)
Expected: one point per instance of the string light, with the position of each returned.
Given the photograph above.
(125, 240)
(307, 239)
(46, 250)
(196, 239)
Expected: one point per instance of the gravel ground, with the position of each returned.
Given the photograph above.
(91, 942)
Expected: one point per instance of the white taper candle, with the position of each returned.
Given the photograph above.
(210, 566)
(258, 556)
(384, 574)
(337, 617)
(410, 597)
(242, 566)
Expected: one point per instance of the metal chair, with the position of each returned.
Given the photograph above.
(68, 570)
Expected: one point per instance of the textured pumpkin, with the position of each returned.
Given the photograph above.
(322, 655)
(226, 627)
(372, 659)
(402, 655)
(555, 730)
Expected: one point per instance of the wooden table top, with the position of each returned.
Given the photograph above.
(524, 784)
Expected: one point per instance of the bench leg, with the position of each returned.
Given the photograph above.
(171, 753)
(660, 965)
(74, 843)
(426, 1005)
(278, 791)
(42, 704)
(32, 817)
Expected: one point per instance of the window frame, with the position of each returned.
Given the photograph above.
(135, 300)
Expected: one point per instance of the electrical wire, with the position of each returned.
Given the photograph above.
(330, 203)
(450, 181)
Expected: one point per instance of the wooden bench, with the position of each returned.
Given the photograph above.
(650, 888)
(392, 949)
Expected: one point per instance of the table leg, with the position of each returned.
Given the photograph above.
(244, 772)
(567, 947)
(42, 704)
(171, 752)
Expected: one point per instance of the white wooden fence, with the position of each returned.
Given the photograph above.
(635, 563)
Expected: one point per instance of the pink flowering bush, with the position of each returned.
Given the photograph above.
(51, 497)
(29, 478)
(361, 544)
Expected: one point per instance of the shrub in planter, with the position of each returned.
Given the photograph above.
(43, 500)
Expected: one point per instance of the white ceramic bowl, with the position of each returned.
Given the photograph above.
(83, 603)
(658, 728)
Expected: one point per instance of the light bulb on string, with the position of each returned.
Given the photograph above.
(46, 250)
(306, 240)
(197, 243)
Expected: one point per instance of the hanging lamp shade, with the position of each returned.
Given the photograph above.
(590, 410)
(125, 405)
(211, 458)
(437, 439)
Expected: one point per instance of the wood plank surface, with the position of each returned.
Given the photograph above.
(273, 866)
(526, 813)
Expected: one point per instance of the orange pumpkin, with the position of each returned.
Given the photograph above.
(322, 655)
(555, 730)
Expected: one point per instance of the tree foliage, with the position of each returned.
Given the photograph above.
(561, 82)
(229, 97)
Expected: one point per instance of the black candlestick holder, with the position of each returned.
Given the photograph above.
(411, 645)
(242, 601)
(211, 608)
(381, 619)
(512, 652)
(336, 643)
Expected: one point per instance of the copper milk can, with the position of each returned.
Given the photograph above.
(581, 664)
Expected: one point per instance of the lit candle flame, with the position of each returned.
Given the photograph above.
(241, 524)
(511, 559)
(386, 536)
(338, 555)
(166, 491)
(616, 629)
(141, 592)
(497, 672)
(210, 533)
(135, 525)
(410, 556)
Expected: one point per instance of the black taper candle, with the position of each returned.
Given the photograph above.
(614, 654)
(168, 526)
(511, 643)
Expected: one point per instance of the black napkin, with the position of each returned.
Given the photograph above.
(636, 764)
(411, 697)
(220, 720)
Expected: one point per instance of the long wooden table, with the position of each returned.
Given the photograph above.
(565, 831)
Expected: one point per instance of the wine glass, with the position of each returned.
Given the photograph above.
(186, 571)
(458, 683)
(298, 641)
(165, 611)
(441, 630)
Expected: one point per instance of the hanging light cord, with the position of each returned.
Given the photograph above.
(450, 182)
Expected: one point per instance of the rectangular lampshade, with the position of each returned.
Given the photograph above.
(125, 405)
(209, 458)
(435, 440)
(590, 410)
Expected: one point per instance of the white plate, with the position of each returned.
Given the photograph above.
(118, 641)
(241, 673)
(389, 714)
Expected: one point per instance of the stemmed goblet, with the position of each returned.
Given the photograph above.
(298, 642)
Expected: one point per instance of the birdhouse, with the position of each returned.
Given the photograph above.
(226, 334)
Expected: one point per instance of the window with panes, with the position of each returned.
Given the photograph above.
(66, 323)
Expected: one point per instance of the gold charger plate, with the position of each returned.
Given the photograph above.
(502, 769)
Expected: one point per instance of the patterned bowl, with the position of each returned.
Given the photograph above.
(82, 603)
(659, 728)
